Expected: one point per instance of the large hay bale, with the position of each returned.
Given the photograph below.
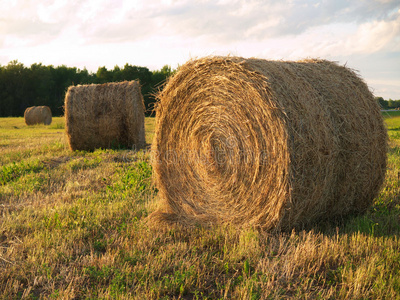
(273, 144)
(38, 115)
(105, 115)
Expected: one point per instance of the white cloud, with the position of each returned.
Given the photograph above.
(221, 22)
(344, 39)
(376, 35)
(152, 33)
(51, 11)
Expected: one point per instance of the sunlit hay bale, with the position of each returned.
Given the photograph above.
(274, 144)
(38, 115)
(105, 116)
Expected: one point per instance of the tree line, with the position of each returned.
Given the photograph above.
(21, 86)
(388, 104)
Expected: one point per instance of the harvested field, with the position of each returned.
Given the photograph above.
(74, 226)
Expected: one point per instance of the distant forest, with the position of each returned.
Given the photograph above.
(388, 104)
(21, 86)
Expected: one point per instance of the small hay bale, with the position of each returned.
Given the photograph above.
(104, 116)
(38, 115)
(274, 144)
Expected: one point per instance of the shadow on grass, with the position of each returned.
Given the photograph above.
(378, 221)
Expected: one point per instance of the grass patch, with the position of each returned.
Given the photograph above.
(13, 171)
(391, 114)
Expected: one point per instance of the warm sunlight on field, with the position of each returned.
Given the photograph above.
(73, 226)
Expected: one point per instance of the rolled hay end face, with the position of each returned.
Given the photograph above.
(272, 144)
(105, 116)
(38, 115)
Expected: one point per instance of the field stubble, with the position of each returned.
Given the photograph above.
(73, 226)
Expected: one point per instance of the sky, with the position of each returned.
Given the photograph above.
(361, 34)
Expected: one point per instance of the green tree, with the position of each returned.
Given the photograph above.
(14, 84)
(117, 74)
(103, 75)
(391, 104)
(21, 87)
(382, 102)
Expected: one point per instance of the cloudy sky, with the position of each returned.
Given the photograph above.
(363, 34)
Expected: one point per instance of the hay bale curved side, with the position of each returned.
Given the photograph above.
(267, 143)
(38, 115)
(104, 116)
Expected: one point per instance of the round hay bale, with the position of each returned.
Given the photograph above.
(275, 144)
(105, 116)
(38, 115)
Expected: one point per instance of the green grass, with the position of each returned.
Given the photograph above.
(391, 114)
(73, 226)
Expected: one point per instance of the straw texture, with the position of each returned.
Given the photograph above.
(104, 116)
(38, 115)
(272, 144)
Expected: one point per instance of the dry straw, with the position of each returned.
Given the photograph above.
(38, 115)
(104, 116)
(273, 144)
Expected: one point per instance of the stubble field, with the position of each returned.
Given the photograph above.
(73, 226)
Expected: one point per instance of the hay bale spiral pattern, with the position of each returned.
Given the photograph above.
(273, 144)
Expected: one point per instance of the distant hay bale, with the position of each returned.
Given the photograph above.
(104, 116)
(273, 144)
(38, 115)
